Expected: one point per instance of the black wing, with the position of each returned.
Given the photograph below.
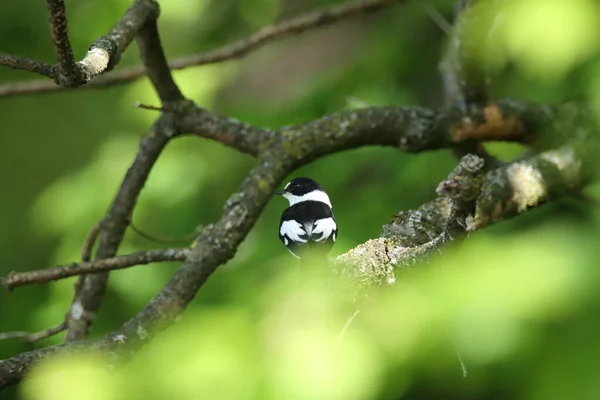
(298, 235)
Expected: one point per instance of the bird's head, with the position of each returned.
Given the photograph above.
(304, 189)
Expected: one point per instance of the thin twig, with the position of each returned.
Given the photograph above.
(236, 49)
(31, 337)
(16, 279)
(348, 322)
(90, 241)
(438, 19)
(186, 238)
(463, 366)
(149, 107)
(86, 255)
(26, 64)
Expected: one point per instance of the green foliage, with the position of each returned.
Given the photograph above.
(492, 301)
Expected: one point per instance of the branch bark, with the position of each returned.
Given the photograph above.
(155, 63)
(87, 300)
(91, 288)
(103, 55)
(236, 49)
(29, 337)
(26, 64)
(468, 201)
(68, 71)
(413, 129)
(16, 279)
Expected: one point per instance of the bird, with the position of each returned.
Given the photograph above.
(307, 227)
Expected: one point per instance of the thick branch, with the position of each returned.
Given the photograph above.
(230, 51)
(16, 279)
(411, 128)
(502, 193)
(243, 137)
(87, 300)
(216, 244)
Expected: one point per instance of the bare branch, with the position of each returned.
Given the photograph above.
(103, 55)
(187, 238)
(90, 241)
(16, 279)
(229, 131)
(502, 193)
(149, 107)
(411, 128)
(32, 337)
(522, 185)
(68, 72)
(87, 300)
(278, 30)
(216, 245)
(25, 64)
(236, 49)
(155, 62)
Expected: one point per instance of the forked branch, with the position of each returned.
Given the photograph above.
(136, 16)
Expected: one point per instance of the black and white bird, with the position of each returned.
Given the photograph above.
(307, 227)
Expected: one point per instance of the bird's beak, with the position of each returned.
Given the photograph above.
(280, 192)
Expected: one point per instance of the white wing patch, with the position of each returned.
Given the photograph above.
(315, 195)
(293, 230)
(325, 227)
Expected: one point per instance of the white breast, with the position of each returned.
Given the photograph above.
(293, 230)
(325, 227)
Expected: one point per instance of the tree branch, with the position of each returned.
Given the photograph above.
(155, 62)
(67, 68)
(16, 279)
(26, 64)
(412, 129)
(468, 202)
(236, 49)
(92, 287)
(29, 337)
(464, 74)
(87, 300)
(103, 55)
